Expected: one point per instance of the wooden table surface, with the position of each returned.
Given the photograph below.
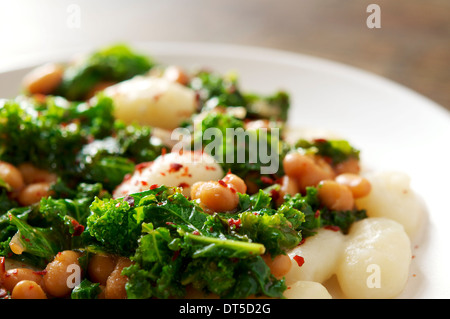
(412, 47)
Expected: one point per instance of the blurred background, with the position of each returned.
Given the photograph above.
(411, 47)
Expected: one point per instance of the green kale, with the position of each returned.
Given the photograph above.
(318, 216)
(110, 64)
(337, 151)
(244, 152)
(272, 107)
(80, 142)
(86, 290)
(50, 134)
(278, 230)
(173, 243)
(216, 90)
(48, 227)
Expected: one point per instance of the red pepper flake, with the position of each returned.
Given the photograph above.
(332, 227)
(234, 191)
(234, 222)
(301, 242)
(163, 174)
(320, 140)
(275, 194)
(328, 159)
(210, 168)
(186, 172)
(317, 214)
(222, 183)
(153, 186)
(170, 223)
(175, 255)
(163, 151)
(267, 180)
(175, 167)
(139, 167)
(299, 259)
(195, 232)
(130, 200)
(183, 185)
(144, 183)
(40, 273)
(78, 228)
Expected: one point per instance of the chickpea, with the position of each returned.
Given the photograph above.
(306, 169)
(176, 74)
(28, 289)
(13, 276)
(115, 285)
(236, 182)
(11, 176)
(335, 196)
(44, 79)
(350, 165)
(34, 192)
(279, 266)
(359, 185)
(56, 273)
(215, 197)
(219, 196)
(32, 174)
(100, 267)
(288, 186)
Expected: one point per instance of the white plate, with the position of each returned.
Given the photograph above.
(395, 128)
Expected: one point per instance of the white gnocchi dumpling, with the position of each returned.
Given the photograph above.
(151, 100)
(320, 255)
(375, 261)
(172, 169)
(306, 290)
(392, 197)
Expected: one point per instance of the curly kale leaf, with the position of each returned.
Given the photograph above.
(244, 152)
(48, 227)
(318, 216)
(110, 64)
(337, 151)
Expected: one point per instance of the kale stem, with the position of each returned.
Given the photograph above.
(251, 248)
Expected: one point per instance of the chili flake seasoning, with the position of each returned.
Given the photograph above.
(299, 259)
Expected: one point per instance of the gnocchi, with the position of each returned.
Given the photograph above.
(321, 254)
(399, 202)
(307, 290)
(376, 259)
(172, 169)
(153, 101)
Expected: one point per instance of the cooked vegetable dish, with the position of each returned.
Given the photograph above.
(119, 178)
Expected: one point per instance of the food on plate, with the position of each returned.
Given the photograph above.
(122, 177)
